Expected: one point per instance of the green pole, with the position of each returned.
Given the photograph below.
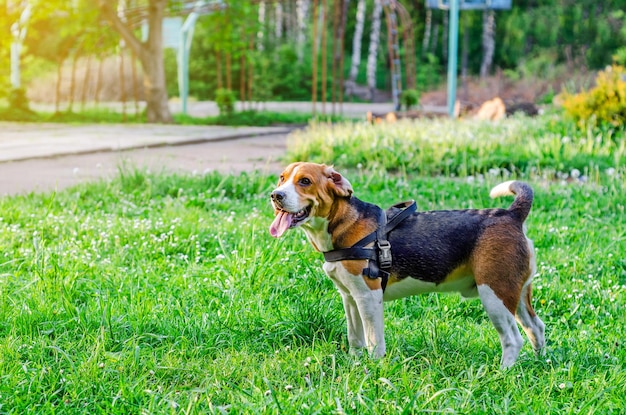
(453, 47)
(186, 34)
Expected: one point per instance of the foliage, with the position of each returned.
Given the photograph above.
(542, 145)
(163, 294)
(603, 104)
(409, 98)
(257, 118)
(225, 100)
(428, 73)
(17, 108)
(587, 36)
(103, 115)
(290, 77)
(17, 99)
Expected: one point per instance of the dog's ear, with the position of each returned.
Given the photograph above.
(339, 184)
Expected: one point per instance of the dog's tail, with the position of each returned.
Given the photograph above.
(523, 197)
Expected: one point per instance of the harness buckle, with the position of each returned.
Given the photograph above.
(384, 254)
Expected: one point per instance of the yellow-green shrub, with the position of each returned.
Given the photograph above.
(603, 104)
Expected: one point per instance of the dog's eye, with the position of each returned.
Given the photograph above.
(305, 181)
(281, 178)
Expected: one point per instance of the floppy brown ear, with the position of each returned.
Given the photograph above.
(340, 184)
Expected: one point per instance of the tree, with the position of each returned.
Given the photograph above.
(150, 54)
(373, 49)
(356, 46)
(489, 41)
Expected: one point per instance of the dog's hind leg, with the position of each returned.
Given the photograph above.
(525, 315)
(504, 322)
(530, 322)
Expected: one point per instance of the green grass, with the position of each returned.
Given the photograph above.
(166, 294)
(105, 116)
(535, 146)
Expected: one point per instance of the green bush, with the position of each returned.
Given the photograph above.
(225, 100)
(17, 99)
(605, 104)
(410, 98)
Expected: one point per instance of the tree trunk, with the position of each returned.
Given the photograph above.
(444, 37)
(341, 36)
(122, 84)
(250, 71)
(150, 54)
(489, 42)
(435, 41)
(73, 82)
(57, 94)
(83, 97)
(133, 61)
(324, 49)
(302, 7)
(259, 33)
(229, 77)
(218, 64)
(278, 20)
(242, 79)
(335, 58)
(373, 50)
(96, 97)
(356, 46)
(314, 53)
(427, 29)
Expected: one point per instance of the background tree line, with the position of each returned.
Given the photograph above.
(262, 50)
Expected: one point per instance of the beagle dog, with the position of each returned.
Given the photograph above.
(482, 253)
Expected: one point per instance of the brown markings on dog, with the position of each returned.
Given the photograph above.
(528, 300)
(500, 262)
(373, 283)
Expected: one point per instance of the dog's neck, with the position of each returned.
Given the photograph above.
(347, 222)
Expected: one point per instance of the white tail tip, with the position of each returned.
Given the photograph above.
(503, 189)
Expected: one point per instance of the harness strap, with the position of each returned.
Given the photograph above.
(408, 208)
(379, 256)
(356, 252)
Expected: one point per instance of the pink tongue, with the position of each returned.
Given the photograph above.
(281, 223)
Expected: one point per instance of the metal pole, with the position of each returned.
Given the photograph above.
(186, 36)
(453, 47)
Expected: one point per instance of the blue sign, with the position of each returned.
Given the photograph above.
(470, 4)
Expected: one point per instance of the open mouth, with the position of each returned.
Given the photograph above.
(285, 220)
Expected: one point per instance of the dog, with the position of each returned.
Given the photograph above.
(482, 253)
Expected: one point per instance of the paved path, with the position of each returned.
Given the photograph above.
(46, 157)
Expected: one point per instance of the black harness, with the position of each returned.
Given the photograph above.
(379, 255)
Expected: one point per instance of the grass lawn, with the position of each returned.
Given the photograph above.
(166, 294)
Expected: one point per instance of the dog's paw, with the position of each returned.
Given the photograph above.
(356, 351)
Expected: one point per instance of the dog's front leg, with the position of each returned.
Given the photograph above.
(370, 304)
(364, 310)
(356, 335)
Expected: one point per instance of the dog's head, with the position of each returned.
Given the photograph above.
(305, 190)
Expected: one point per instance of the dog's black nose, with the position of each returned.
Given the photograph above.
(277, 196)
